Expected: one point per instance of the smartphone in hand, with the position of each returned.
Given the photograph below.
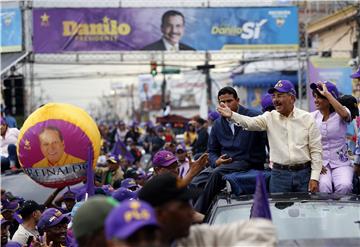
(29, 241)
(226, 156)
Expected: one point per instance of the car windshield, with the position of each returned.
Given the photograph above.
(302, 220)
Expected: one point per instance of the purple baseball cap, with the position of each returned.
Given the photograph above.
(127, 218)
(121, 122)
(213, 115)
(181, 146)
(149, 124)
(283, 86)
(330, 86)
(134, 124)
(164, 158)
(113, 159)
(140, 173)
(69, 195)
(11, 243)
(356, 74)
(266, 101)
(128, 183)
(51, 217)
(123, 194)
(9, 205)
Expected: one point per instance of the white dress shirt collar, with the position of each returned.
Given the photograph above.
(170, 47)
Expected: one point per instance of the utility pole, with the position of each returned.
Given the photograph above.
(206, 70)
(307, 77)
(163, 85)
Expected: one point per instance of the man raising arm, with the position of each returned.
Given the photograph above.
(294, 140)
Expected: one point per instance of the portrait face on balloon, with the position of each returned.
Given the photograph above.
(52, 147)
(55, 144)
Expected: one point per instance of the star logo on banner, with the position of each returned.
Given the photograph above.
(44, 20)
(27, 145)
(105, 19)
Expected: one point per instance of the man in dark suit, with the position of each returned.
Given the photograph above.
(172, 27)
(231, 149)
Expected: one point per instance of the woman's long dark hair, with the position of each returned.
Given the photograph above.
(323, 97)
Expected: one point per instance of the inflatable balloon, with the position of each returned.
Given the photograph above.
(54, 144)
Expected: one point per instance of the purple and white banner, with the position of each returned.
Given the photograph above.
(58, 30)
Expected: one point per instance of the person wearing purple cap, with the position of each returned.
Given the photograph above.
(8, 211)
(332, 119)
(129, 183)
(111, 173)
(5, 234)
(133, 224)
(140, 177)
(294, 140)
(122, 194)
(166, 162)
(68, 199)
(54, 224)
(8, 139)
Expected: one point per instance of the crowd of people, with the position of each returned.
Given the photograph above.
(154, 189)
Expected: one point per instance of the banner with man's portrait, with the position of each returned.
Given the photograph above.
(133, 29)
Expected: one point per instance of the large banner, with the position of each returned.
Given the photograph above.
(11, 30)
(129, 29)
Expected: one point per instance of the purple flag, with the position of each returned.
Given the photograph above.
(90, 187)
(120, 149)
(260, 207)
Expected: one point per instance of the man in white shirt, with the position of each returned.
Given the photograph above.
(294, 140)
(8, 139)
(30, 213)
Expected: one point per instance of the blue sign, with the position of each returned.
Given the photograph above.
(243, 28)
(11, 30)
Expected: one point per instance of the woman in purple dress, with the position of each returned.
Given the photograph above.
(332, 119)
